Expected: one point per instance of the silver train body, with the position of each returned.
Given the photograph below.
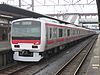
(31, 38)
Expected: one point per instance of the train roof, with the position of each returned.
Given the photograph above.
(25, 19)
(51, 21)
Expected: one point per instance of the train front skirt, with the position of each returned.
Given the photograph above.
(35, 57)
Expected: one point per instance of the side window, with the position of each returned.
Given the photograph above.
(65, 32)
(68, 32)
(73, 32)
(49, 29)
(77, 32)
(60, 32)
(47, 32)
(54, 32)
(50, 33)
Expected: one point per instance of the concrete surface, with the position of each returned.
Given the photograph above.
(94, 67)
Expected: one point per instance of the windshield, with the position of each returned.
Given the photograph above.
(26, 28)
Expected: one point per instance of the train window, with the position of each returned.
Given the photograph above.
(54, 32)
(68, 32)
(77, 31)
(50, 33)
(47, 32)
(60, 32)
(65, 32)
(31, 29)
(73, 32)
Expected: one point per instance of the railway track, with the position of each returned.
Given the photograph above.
(14, 68)
(72, 66)
(53, 70)
(18, 68)
(37, 68)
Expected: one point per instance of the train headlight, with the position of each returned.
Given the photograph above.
(16, 46)
(34, 46)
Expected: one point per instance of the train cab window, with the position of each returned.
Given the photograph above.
(60, 32)
(68, 32)
(26, 29)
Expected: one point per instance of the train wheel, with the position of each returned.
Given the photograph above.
(55, 50)
(46, 55)
(61, 47)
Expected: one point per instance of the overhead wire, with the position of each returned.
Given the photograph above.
(68, 6)
(39, 2)
(53, 2)
(91, 1)
(77, 1)
(78, 4)
(26, 2)
(66, 1)
(73, 7)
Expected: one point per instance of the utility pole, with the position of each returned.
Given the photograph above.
(44, 2)
(32, 5)
(58, 2)
(87, 1)
(19, 3)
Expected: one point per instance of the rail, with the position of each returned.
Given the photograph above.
(71, 67)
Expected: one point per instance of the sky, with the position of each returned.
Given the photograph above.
(57, 6)
(53, 6)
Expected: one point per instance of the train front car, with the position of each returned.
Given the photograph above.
(27, 39)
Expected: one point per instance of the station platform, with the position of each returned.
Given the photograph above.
(6, 54)
(94, 66)
(5, 45)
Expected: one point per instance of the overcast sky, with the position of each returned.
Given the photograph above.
(62, 6)
(55, 7)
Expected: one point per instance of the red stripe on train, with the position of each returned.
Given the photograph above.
(50, 42)
(36, 42)
(56, 40)
(60, 39)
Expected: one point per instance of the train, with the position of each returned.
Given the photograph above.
(32, 39)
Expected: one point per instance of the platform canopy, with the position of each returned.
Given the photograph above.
(12, 13)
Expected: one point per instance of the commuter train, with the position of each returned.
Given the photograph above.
(33, 39)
